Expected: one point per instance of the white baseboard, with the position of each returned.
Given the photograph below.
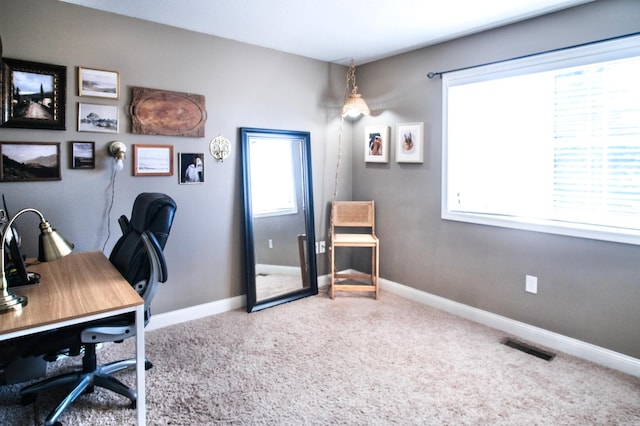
(568, 345)
(195, 312)
(587, 351)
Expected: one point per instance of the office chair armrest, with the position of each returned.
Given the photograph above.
(102, 334)
(124, 224)
(158, 271)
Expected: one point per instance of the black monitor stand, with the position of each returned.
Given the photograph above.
(15, 270)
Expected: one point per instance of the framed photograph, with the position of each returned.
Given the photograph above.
(98, 83)
(29, 161)
(191, 168)
(97, 118)
(409, 143)
(83, 155)
(33, 95)
(152, 160)
(376, 144)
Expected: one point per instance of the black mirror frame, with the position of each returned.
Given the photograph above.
(253, 305)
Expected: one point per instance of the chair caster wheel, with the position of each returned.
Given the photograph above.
(148, 365)
(27, 399)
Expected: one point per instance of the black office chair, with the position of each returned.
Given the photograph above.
(139, 258)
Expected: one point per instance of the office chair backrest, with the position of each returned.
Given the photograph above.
(151, 212)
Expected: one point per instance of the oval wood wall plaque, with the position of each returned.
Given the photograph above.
(161, 112)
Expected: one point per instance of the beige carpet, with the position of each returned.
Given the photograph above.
(352, 361)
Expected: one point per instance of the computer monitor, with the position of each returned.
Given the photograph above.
(15, 270)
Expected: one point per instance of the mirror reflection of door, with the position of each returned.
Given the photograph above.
(279, 224)
(278, 215)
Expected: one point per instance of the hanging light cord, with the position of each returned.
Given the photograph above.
(113, 192)
(350, 76)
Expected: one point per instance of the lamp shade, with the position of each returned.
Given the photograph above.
(354, 106)
(51, 245)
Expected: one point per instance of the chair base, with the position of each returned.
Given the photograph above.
(83, 382)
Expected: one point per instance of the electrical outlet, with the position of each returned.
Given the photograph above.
(320, 247)
(270, 243)
(531, 284)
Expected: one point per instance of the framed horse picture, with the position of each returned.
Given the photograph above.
(409, 143)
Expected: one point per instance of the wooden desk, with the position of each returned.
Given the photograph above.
(78, 288)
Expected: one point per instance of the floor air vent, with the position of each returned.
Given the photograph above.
(523, 347)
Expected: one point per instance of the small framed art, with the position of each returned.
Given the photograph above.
(29, 161)
(33, 95)
(152, 160)
(191, 168)
(83, 155)
(376, 144)
(97, 118)
(98, 83)
(409, 143)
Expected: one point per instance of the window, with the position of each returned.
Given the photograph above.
(547, 143)
(273, 189)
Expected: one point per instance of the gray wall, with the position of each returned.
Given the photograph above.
(587, 289)
(244, 86)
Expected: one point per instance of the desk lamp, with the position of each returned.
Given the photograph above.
(51, 247)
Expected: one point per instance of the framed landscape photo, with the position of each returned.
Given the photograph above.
(376, 144)
(98, 83)
(409, 143)
(29, 161)
(152, 160)
(33, 95)
(191, 167)
(83, 155)
(97, 118)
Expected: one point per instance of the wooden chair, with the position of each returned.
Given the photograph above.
(354, 215)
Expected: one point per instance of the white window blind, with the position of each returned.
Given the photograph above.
(547, 143)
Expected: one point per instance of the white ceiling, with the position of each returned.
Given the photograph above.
(334, 30)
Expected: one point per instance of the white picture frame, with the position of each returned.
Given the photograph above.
(98, 118)
(410, 143)
(376, 144)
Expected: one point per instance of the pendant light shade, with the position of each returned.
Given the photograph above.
(354, 105)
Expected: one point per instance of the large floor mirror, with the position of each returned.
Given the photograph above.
(279, 225)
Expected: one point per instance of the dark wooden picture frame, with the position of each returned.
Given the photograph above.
(29, 161)
(33, 95)
(167, 113)
(152, 160)
(83, 155)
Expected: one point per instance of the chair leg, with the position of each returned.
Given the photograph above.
(52, 382)
(79, 389)
(333, 271)
(377, 269)
(115, 385)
